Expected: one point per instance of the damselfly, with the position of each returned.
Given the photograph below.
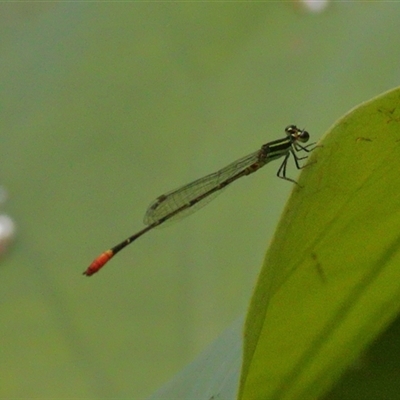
(190, 197)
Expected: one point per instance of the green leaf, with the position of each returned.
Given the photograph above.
(331, 279)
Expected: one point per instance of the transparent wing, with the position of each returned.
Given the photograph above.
(171, 201)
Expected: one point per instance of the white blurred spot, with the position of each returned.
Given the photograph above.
(315, 6)
(7, 232)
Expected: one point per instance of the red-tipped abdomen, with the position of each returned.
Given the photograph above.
(99, 262)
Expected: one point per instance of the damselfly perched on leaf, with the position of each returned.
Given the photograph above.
(189, 198)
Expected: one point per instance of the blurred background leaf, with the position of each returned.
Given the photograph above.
(214, 374)
(105, 106)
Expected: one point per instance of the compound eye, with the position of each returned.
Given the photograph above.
(291, 129)
(303, 136)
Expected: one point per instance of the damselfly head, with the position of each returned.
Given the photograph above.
(297, 134)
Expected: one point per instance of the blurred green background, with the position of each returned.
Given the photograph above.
(105, 106)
